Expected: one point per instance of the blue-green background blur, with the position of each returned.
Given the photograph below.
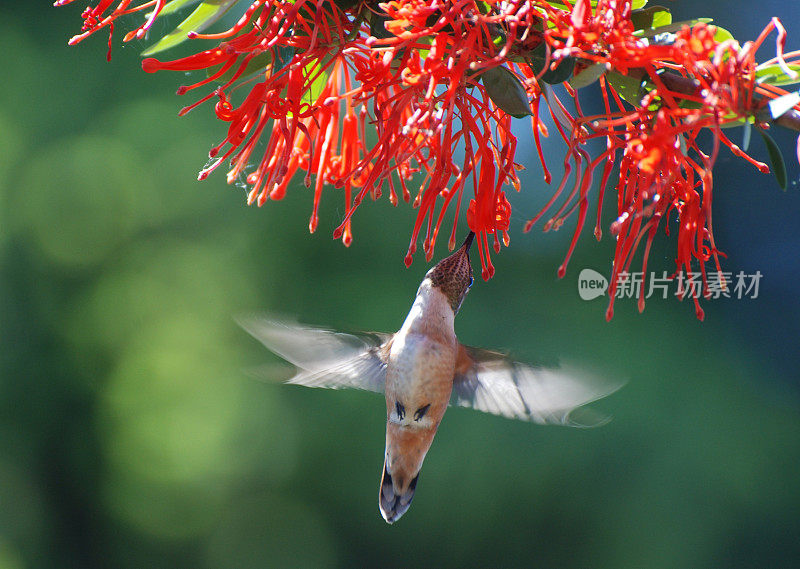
(131, 435)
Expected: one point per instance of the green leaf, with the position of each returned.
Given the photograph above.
(671, 28)
(281, 56)
(345, 4)
(176, 5)
(562, 6)
(423, 52)
(506, 91)
(203, 16)
(662, 18)
(587, 76)
(734, 123)
(377, 26)
(748, 130)
(555, 109)
(484, 7)
(722, 35)
(256, 65)
(652, 17)
(775, 156)
(536, 59)
(560, 73)
(320, 79)
(629, 88)
(774, 75)
(636, 5)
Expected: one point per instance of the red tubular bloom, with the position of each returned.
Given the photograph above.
(96, 18)
(367, 98)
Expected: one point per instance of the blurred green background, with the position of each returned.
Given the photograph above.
(131, 436)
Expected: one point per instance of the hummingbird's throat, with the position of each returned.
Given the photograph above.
(453, 276)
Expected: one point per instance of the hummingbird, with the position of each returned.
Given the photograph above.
(421, 369)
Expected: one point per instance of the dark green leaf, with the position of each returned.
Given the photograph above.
(776, 158)
(345, 4)
(560, 73)
(280, 56)
(651, 17)
(377, 27)
(587, 76)
(484, 7)
(538, 59)
(256, 65)
(506, 91)
(283, 56)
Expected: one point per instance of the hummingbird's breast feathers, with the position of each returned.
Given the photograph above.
(419, 379)
(419, 370)
(431, 314)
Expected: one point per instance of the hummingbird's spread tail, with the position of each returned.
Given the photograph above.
(406, 448)
(393, 501)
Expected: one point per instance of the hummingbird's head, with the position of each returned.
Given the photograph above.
(453, 275)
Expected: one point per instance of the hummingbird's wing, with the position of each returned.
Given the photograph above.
(490, 382)
(325, 358)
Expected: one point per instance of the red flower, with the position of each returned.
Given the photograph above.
(368, 97)
(96, 18)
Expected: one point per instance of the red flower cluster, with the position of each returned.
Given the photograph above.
(661, 167)
(365, 96)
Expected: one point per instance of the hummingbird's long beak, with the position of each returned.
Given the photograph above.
(468, 241)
